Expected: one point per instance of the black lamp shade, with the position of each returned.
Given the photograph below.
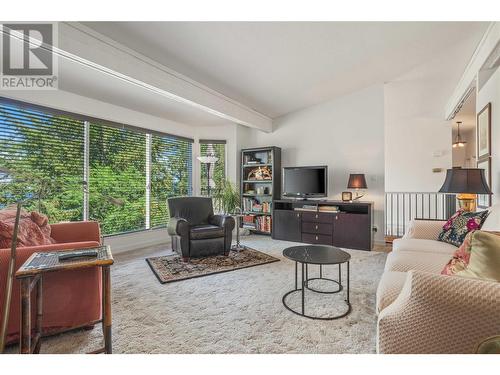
(465, 181)
(356, 181)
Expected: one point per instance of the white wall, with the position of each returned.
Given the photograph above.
(417, 137)
(490, 93)
(346, 133)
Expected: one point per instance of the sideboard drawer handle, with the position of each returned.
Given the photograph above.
(316, 227)
(316, 238)
(316, 216)
(298, 215)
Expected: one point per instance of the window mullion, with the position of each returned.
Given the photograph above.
(86, 169)
(148, 180)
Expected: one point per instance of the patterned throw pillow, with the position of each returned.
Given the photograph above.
(478, 257)
(460, 259)
(461, 223)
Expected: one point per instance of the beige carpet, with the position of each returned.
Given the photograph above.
(232, 312)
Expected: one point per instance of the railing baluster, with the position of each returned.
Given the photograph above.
(402, 207)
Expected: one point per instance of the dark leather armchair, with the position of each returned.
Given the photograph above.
(195, 230)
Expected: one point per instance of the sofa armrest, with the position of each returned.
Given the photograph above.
(424, 229)
(178, 227)
(439, 314)
(76, 231)
(225, 221)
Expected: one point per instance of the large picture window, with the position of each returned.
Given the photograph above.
(71, 168)
(41, 162)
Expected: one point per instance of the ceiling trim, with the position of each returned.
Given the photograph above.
(467, 82)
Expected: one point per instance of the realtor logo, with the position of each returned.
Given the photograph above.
(28, 61)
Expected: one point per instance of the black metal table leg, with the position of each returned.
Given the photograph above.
(340, 275)
(348, 282)
(307, 275)
(320, 271)
(303, 289)
(296, 274)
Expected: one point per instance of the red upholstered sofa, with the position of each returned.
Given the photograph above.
(71, 299)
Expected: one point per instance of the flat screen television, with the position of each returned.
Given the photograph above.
(305, 182)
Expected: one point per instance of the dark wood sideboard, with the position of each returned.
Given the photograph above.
(351, 227)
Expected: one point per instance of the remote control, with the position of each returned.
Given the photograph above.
(78, 254)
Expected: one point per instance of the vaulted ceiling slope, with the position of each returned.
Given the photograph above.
(280, 67)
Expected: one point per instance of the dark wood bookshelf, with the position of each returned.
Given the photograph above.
(269, 161)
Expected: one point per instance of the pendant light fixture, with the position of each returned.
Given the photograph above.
(459, 142)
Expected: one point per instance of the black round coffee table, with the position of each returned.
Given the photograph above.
(321, 255)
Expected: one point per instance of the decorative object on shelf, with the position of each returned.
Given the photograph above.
(346, 196)
(260, 173)
(466, 183)
(209, 159)
(484, 201)
(357, 181)
(483, 132)
(260, 190)
(10, 280)
(459, 142)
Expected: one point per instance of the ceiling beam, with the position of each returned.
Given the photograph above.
(91, 49)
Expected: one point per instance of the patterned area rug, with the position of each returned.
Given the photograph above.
(171, 268)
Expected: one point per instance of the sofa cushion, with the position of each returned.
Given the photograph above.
(404, 261)
(201, 232)
(461, 223)
(34, 229)
(389, 287)
(424, 246)
(482, 256)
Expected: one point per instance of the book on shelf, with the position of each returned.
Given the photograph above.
(332, 209)
(253, 205)
(263, 223)
(260, 223)
(328, 209)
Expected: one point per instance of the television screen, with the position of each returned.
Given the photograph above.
(305, 181)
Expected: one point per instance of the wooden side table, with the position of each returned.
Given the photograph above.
(30, 276)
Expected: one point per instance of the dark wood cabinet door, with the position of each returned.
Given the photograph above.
(286, 225)
(352, 231)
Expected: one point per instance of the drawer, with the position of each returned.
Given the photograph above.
(318, 217)
(320, 239)
(317, 228)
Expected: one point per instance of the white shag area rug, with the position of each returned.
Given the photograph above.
(233, 312)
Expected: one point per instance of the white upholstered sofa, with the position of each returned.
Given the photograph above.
(420, 310)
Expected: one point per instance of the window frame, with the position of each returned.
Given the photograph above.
(87, 120)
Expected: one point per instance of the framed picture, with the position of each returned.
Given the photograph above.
(484, 200)
(483, 132)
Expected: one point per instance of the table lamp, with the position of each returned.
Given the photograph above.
(357, 181)
(466, 183)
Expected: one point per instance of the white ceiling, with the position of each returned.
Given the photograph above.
(280, 67)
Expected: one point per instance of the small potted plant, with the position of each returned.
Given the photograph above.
(229, 197)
